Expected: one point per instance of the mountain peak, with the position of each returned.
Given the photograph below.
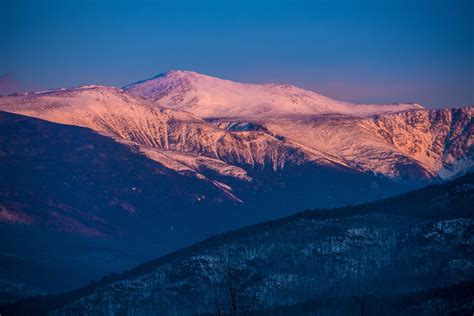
(171, 73)
(211, 97)
(181, 72)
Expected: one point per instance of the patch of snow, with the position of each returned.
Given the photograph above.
(456, 167)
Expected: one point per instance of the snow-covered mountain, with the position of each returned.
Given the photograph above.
(190, 122)
(398, 140)
(210, 97)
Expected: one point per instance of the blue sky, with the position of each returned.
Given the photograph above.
(363, 51)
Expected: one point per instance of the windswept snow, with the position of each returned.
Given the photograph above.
(192, 165)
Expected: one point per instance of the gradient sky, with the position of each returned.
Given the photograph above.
(363, 51)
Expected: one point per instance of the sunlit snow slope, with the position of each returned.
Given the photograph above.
(211, 97)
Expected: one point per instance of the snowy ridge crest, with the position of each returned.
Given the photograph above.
(210, 97)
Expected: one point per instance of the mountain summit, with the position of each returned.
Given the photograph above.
(211, 97)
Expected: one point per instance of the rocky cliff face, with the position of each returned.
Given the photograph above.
(441, 140)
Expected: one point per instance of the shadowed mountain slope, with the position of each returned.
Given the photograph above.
(412, 245)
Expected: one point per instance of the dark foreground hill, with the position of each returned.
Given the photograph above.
(411, 254)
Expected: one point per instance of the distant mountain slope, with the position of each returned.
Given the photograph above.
(211, 97)
(421, 241)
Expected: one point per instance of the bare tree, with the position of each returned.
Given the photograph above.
(362, 301)
(231, 283)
